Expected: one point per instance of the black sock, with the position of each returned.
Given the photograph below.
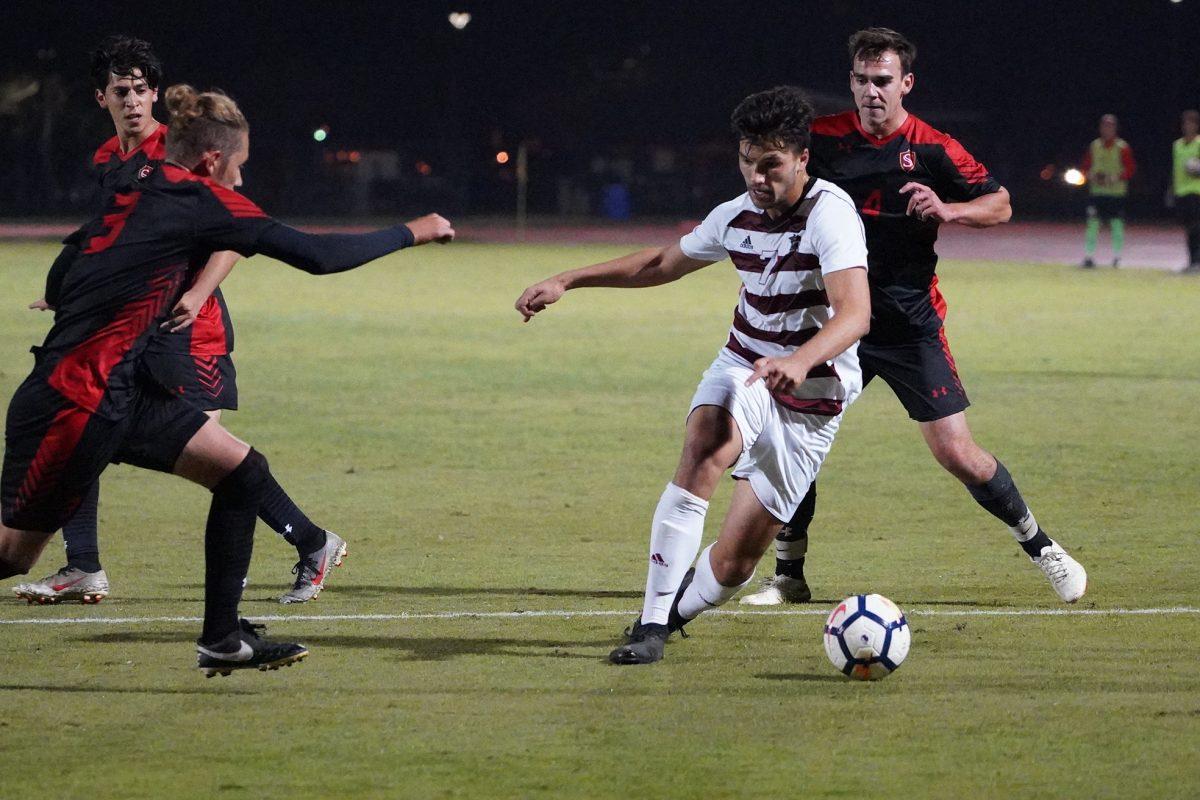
(285, 518)
(1001, 498)
(796, 531)
(80, 533)
(228, 543)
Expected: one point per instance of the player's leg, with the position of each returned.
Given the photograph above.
(788, 584)
(1091, 235)
(991, 485)
(19, 550)
(1116, 223)
(1189, 209)
(82, 579)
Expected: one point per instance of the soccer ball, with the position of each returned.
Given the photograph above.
(867, 637)
(1192, 167)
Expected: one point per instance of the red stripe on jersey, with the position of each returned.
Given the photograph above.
(82, 374)
(208, 332)
(53, 453)
(747, 262)
(236, 204)
(836, 124)
(114, 222)
(798, 262)
(784, 338)
(154, 146)
(761, 223)
(939, 306)
(827, 370)
(822, 407)
(778, 303)
(922, 133)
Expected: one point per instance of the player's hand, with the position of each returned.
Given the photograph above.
(779, 374)
(431, 228)
(184, 313)
(924, 204)
(41, 305)
(538, 296)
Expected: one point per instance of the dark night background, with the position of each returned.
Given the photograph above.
(636, 94)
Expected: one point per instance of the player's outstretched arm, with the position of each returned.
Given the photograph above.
(984, 211)
(650, 267)
(324, 254)
(217, 269)
(850, 298)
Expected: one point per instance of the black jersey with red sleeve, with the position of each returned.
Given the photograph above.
(905, 300)
(212, 332)
(137, 259)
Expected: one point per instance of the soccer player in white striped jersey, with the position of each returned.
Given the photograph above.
(772, 400)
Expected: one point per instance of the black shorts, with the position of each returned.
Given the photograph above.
(1106, 207)
(54, 449)
(921, 373)
(207, 382)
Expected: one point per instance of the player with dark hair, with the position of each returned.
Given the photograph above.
(88, 401)
(906, 178)
(772, 400)
(190, 358)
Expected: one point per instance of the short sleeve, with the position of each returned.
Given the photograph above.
(707, 241)
(228, 221)
(837, 235)
(960, 176)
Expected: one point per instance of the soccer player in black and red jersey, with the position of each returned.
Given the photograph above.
(88, 401)
(192, 356)
(907, 179)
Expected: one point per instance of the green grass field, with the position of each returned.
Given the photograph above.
(477, 465)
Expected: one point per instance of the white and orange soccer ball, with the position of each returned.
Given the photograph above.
(867, 637)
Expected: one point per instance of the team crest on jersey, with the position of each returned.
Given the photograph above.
(145, 171)
(908, 161)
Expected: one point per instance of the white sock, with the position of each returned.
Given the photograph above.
(705, 591)
(1026, 529)
(674, 539)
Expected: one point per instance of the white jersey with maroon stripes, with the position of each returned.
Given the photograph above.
(782, 263)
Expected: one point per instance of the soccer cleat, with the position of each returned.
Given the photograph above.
(645, 643)
(645, 646)
(69, 584)
(1088, 263)
(777, 590)
(1066, 575)
(245, 649)
(312, 570)
(1116, 263)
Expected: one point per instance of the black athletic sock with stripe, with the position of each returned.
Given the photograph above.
(796, 532)
(285, 518)
(1001, 498)
(80, 534)
(229, 542)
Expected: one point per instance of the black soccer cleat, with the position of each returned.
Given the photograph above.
(245, 649)
(645, 646)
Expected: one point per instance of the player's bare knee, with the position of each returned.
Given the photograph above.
(732, 570)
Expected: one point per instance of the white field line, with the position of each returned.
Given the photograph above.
(568, 614)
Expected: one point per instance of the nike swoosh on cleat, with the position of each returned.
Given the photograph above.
(244, 653)
(58, 587)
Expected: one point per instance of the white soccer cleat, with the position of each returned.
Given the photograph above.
(1066, 575)
(312, 570)
(777, 590)
(67, 585)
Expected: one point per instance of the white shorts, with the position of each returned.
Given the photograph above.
(782, 450)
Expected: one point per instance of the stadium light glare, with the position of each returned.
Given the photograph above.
(320, 134)
(502, 157)
(459, 19)
(1074, 177)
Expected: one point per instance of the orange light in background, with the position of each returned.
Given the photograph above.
(1074, 177)
(502, 157)
(1047, 172)
(355, 156)
(424, 169)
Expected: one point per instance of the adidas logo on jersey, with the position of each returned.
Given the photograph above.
(747, 244)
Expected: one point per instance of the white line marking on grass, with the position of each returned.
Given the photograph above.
(567, 614)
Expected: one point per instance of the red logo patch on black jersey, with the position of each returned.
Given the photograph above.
(908, 161)
(145, 171)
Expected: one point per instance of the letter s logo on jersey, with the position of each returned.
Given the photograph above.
(908, 161)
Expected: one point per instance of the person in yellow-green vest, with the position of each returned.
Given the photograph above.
(1185, 185)
(1108, 165)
